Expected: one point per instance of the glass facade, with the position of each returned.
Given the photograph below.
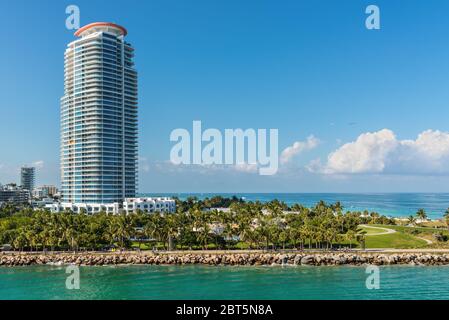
(99, 118)
(27, 178)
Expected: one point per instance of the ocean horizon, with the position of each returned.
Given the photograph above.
(389, 204)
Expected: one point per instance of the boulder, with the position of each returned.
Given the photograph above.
(307, 260)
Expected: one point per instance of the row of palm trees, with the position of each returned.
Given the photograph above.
(253, 225)
(421, 214)
(45, 230)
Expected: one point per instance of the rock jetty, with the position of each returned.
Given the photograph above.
(231, 259)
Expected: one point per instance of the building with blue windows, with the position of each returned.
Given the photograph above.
(99, 117)
(27, 178)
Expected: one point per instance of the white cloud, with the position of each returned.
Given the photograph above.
(38, 164)
(144, 164)
(203, 169)
(299, 146)
(382, 152)
(246, 167)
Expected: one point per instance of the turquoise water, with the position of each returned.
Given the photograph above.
(208, 282)
(390, 204)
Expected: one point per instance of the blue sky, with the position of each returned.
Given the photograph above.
(304, 67)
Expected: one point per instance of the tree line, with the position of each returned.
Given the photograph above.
(197, 224)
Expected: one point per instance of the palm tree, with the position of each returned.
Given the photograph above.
(330, 235)
(31, 237)
(412, 220)
(123, 228)
(70, 230)
(351, 236)
(446, 217)
(374, 217)
(297, 208)
(186, 235)
(201, 227)
(20, 240)
(361, 237)
(172, 229)
(229, 226)
(245, 227)
(337, 207)
(161, 231)
(96, 227)
(421, 214)
(150, 229)
(307, 233)
(264, 230)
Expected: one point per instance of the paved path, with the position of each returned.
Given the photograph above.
(426, 240)
(385, 230)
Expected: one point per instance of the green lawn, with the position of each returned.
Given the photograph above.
(370, 231)
(401, 239)
(396, 240)
(426, 230)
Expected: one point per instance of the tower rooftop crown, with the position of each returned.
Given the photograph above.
(101, 26)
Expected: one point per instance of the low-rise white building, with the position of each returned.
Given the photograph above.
(149, 205)
(42, 203)
(130, 205)
(88, 208)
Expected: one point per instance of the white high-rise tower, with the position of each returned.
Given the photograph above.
(99, 117)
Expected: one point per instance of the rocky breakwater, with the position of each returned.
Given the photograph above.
(231, 259)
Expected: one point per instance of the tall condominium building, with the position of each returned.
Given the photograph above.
(27, 178)
(99, 117)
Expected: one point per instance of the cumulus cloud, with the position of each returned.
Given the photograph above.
(382, 152)
(299, 146)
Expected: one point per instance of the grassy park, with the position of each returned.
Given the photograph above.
(397, 240)
(403, 237)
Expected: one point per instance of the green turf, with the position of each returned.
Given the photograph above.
(397, 240)
(426, 230)
(371, 231)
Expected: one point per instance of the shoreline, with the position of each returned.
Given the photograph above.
(226, 258)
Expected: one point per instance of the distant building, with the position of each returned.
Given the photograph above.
(110, 208)
(42, 203)
(149, 205)
(13, 193)
(27, 178)
(130, 205)
(44, 192)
